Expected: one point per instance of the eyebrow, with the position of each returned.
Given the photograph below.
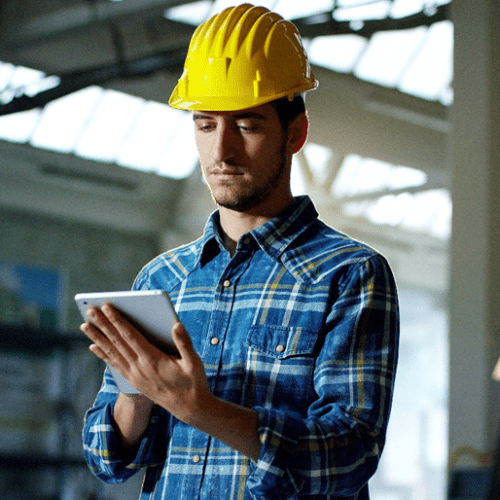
(239, 116)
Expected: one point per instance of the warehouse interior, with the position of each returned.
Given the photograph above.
(87, 197)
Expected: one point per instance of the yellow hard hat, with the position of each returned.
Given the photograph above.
(241, 58)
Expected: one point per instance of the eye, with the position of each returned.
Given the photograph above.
(246, 127)
(204, 127)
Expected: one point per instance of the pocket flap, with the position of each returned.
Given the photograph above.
(282, 342)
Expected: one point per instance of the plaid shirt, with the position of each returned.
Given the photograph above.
(302, 326)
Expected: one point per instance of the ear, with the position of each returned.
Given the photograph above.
(297, 133)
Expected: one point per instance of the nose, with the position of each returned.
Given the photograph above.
(223, 144)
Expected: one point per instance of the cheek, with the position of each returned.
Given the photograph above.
(199, 146)
(261, 150)
(204, 160)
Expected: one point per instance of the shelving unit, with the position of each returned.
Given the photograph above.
(53, 457)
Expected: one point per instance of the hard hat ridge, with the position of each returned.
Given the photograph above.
(240, 58)
(261, 26)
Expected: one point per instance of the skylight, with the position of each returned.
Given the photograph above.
(431, 73)
(388, 55)
(294, 10)
(359, 175)
(104, 125)
(193, 13)
(338, 53)
(426, 211)
(352, 10)
(19, 126)
(417, 61)
(108, 126)
(58, 128)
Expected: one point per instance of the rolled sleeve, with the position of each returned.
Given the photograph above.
(271, 478)
(336, 449)
(107, 458)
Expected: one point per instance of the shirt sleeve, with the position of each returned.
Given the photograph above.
(336, 449)
(106, 457)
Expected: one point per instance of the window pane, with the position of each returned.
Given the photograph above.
(107, 131)
(63, 120)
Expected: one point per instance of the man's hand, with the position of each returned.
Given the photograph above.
(178, 384)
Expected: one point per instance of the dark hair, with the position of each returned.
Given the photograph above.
(288, 110)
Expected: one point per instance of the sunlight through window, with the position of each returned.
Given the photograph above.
(361, 11)
(388, 55)
(367, 175)
(337, 52)
(19, 126)
(432, 69)
(180, 155)
(426, 212)
(63, 120)
(294, 10)
(150, 135)
(191, 13)
(108, 128)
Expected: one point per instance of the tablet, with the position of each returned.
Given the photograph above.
(150, 311)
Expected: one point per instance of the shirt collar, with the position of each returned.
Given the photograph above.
(274, 237)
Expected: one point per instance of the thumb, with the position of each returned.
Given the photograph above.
(182, 341)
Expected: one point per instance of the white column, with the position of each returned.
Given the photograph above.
(474, 162)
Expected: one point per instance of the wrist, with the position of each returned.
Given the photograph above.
(138, 400)
(131, 414)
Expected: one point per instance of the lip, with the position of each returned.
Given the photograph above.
(220, 171)
(226, 174)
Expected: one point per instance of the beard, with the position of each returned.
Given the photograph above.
(244, 201)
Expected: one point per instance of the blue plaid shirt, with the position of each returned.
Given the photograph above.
(302, 326)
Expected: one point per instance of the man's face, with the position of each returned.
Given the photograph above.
(243, 156)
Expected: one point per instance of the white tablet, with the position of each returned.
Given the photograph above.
(150, 311)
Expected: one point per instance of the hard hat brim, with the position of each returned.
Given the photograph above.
(233, 103)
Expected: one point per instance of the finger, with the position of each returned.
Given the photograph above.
(93, 333)
(99, 320)
(183, 342)
(95, 349)
(116, 328)
(102, 347)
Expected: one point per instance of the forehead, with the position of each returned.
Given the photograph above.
(264, 112)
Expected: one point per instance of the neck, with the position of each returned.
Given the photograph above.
(234, 224)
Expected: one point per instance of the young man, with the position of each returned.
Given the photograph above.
(288, 329)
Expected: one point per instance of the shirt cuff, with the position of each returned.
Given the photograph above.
(119, 458)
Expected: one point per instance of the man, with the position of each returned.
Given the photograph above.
(288, 329)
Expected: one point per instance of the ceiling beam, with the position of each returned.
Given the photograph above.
(79, 17)
(73, 81)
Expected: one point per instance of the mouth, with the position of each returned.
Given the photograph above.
(225, 175)
(225, 171)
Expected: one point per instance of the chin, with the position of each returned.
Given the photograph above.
(241, 203)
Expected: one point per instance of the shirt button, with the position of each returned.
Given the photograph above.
(214, 340)
(196, 459)
(280, 348)
(227, 283)
(246, 240)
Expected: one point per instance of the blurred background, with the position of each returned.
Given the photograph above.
(98, 175)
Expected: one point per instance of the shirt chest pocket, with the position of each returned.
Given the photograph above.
(280, 366)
